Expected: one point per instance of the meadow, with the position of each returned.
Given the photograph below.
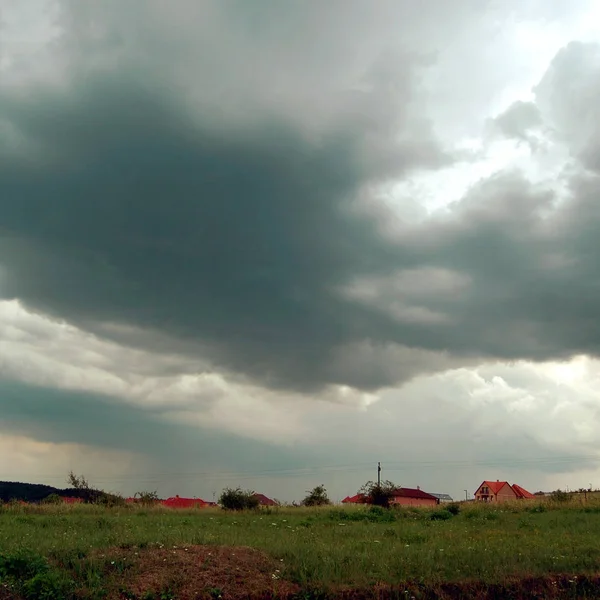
(87, 551)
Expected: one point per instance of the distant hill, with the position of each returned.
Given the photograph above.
(31, 492)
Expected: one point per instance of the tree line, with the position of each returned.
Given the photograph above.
(231, 498)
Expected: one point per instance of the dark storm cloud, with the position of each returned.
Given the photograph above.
(123, 203)
(132, 212)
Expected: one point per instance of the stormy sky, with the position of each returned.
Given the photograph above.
(272, 243)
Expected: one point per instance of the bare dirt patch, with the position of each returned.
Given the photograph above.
(191, 572)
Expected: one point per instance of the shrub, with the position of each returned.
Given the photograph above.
(559, 496)
(24, 564)
(453, 508)
(146, 498)
(51, 585)
(317, 497)
(440, 515)
(238, 499)
(378, 494)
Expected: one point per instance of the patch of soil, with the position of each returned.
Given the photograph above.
(197, 572)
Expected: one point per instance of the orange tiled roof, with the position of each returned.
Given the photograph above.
(522, 492)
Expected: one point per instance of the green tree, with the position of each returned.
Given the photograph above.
(317, 497)
(78, 482)
(378, 494)
(238, 499)
(88, 493)
(147, 497)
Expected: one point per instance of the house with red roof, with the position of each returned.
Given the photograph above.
(522, 493)
(264, 500)
(400, 497)
(501, 491)
(412, 497)
(357, 499)
(178, 502)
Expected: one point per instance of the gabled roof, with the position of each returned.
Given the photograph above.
(357, 499)
(412, 493)
(495, 486)
(264, 501)
(178, 502)
(442, 496)
(522, 492)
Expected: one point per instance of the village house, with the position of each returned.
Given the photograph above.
(357, 499)
(501, 491)
(443, 498)
(400, 497)
(264, 500)
(412, 497)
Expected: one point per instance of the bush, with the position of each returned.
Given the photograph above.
(24, 564)
(440, 515)
(51, 585)
(378, 494)
(559, 496)
(238, 499)
(146, 498)
(317, 497)
(453, 508)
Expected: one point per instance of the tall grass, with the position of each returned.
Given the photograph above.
(330, 546)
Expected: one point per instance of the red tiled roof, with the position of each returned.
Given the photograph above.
(357, 499)
(264, 501)
(177, 502)
(495, 486)
(412, 493)
(522, 492)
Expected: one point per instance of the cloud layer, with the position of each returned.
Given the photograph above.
(213, 211)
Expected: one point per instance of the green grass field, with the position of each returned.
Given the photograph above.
(328, 547)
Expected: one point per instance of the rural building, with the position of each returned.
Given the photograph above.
(412, 497)
(264, 500)
(501, 491)
(178, 502)
(443, 498)
(357, 499)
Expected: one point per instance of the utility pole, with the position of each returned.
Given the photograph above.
(466, 495)
(378, 474)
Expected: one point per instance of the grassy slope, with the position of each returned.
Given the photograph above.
(329, 547)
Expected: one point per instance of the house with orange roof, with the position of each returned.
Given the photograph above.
(357, 499)
(501, 491)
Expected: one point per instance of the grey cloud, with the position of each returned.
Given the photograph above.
(51, 415)
(230, 233)
(567, 99)
(519, 121)
(143, 216)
